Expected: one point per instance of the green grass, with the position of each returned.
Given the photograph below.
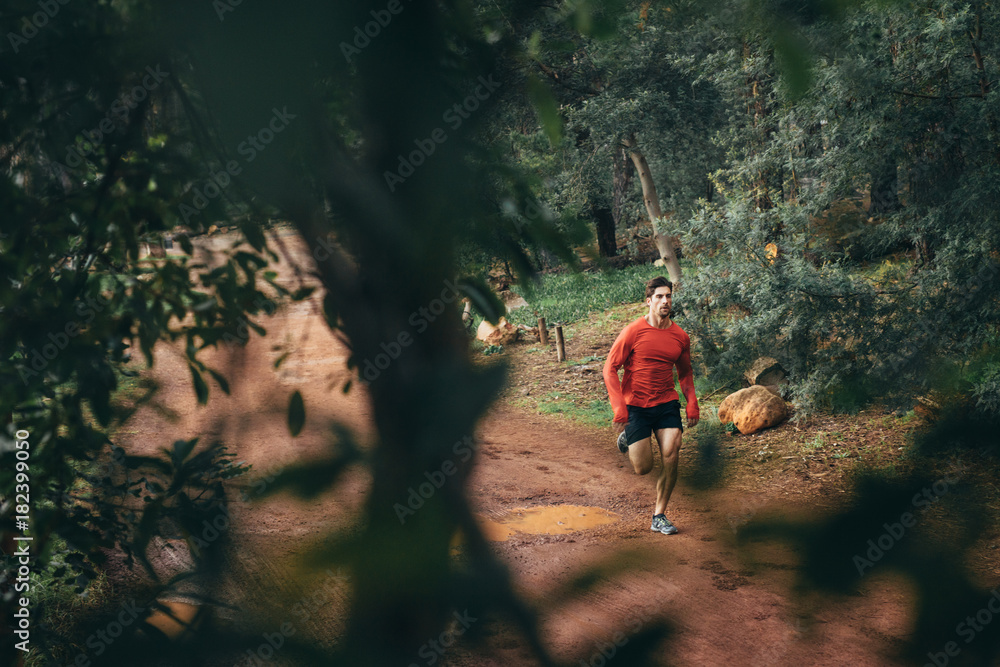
(62, 605)
(63, 608)
(594, 413)
(568, 297)
(817, 442)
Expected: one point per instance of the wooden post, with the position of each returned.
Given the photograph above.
(560, 344)
(543, 333)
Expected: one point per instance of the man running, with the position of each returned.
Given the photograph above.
(645, 401)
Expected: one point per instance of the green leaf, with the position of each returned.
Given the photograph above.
(534, 45)
(182, 449)
(483, 299)
(296, 414)
(547, 108)
(254, 234)
(302, 293)
(101, 406)
(794, 57)
(311, 479)
(185, 243)
(220, 380)
(583, 18)
(200, 388)
(330, 311)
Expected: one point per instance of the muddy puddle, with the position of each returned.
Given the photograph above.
(551, 520)
(177, 621)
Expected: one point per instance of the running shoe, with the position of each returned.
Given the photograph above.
(661, 524)
(622, 445)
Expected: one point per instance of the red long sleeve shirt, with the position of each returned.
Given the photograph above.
(649, 356)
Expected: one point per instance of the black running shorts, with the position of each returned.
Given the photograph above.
(643, 421)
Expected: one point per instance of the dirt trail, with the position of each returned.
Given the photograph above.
(723, 608)
(724, 611)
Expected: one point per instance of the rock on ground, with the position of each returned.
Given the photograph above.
(753, 409)
(503, 333)
(766, 371)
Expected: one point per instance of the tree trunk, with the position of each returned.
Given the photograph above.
(652, 201)
(758, 111)
(621, 184)
(976, 36)
(884, 199)
(884, 192)
(607, 245)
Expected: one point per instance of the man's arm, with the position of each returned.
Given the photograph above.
(686, 377)
(616, 359)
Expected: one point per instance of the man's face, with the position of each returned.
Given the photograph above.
(660, 301)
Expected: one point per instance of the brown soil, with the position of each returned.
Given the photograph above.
(724, 608)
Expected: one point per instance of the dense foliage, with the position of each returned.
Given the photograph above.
(127, 122)
(97, 166)
(830, 169)
(831, 173)
(877, 188)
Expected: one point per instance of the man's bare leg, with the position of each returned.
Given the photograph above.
(640, 453)
(670, 449)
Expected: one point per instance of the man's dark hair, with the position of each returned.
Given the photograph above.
(658, 281)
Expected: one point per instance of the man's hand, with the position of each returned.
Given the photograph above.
(619, 427)
(692, 422)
